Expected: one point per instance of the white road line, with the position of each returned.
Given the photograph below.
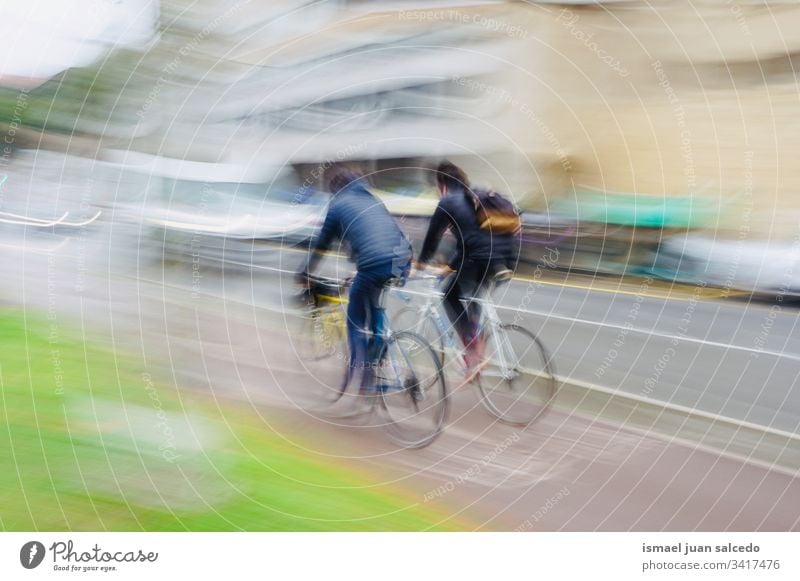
(652, 333)
(679, 408)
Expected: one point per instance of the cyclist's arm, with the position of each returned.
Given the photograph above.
(326, 236)
(436, 229)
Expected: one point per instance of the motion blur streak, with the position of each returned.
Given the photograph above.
(160, 180)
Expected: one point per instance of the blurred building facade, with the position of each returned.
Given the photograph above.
(548, 101)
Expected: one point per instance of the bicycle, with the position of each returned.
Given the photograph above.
(517, 385)
(409, 384)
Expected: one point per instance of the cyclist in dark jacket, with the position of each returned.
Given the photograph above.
(378, 247)
(479, 255)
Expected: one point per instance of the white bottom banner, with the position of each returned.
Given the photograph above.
(406, 556)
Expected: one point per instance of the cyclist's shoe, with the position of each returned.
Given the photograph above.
(474, 368)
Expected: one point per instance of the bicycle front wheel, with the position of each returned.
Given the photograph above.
(419, 322)
(518, 384)
(413, 390)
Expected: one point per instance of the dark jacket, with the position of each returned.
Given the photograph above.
(363, 222)
(457, 210)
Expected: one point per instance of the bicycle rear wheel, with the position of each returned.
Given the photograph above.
(518, 384)
(321, 347)
(413, 390)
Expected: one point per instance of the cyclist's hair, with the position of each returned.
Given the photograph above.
(339, 176)
(451, 176)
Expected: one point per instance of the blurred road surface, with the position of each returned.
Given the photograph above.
(227, 332)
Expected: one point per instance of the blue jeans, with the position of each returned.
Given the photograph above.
(365, 318)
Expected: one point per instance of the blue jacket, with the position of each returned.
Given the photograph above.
(365, 225)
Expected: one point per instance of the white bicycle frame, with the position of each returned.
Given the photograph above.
(433, 309)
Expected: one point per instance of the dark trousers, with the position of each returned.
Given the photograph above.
(469, 281)
(365, 318)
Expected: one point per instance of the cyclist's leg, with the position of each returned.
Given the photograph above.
(471, 284)
(380, 276)
(376, 324)
(453, 295)
(357, 316)
(484, 274)
(365, 321)
(398, 268)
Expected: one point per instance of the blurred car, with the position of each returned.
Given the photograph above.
(761, 267)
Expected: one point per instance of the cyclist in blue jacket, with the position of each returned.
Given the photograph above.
(379, 249)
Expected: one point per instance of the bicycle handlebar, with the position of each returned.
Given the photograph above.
(430, 273)
(425, 276)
